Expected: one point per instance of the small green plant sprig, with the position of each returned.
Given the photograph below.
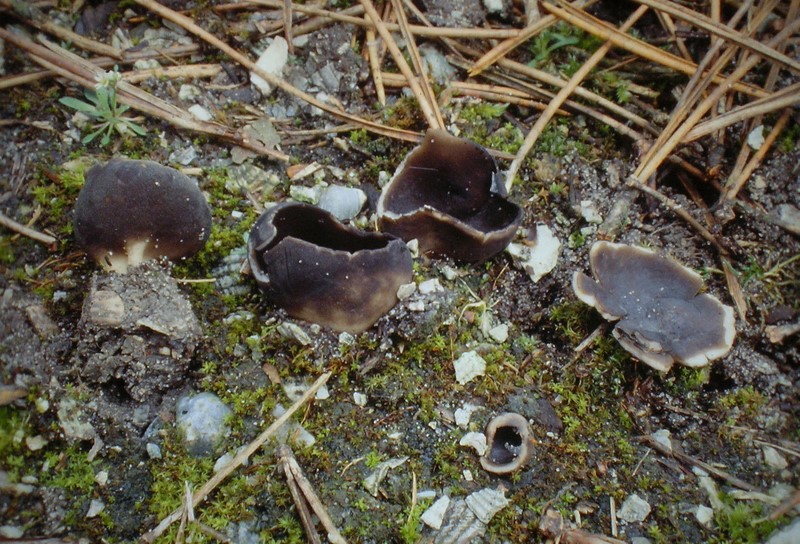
(104, 109)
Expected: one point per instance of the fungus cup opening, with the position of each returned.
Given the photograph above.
(507, 437)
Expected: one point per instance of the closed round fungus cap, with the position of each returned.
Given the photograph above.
(131, 210)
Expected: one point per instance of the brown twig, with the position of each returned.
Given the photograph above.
(201, 494)
(711, 469)
(560, 98)
(304, 497)
(19, 228)
(189, 25)
(424, 104)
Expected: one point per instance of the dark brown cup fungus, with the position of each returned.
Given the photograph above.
(129, 211)
(449, 195)
(325, 272)
(508, 444)
(660, 316)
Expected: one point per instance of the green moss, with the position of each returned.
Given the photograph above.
(742, 522)
(232, 501)
(411, 529)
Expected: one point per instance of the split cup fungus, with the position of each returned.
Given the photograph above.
(661, 317)
(325, 272)
(450, 196)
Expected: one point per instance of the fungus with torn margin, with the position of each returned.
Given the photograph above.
(322, 271)
(660, 316)
(129, 211)
(449, 194)
(508, 444)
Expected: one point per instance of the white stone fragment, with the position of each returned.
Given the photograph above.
(406, 290)
(634, 510)
(434, 515)
(202, 422)
(539, 260)
(449, 272)
(462, 415)
(343, 202)
(499, 333)
(413, 247)
(309, 195)
(35, 443)
(416, 306)
(590, 212)
(474, 440)
(486, 503)
(153, 450)
(101, 478)
(199, 112)
(223, 461)
(360, 399)
(272, 61)
(346, 339)
(430, 286)
(663, 437)
(467, 474)
(11, 532)
(95, 507)
(704, 516)
(469, 366)
(42, 405)
(493, 6)
(756, 138)
(773, 458)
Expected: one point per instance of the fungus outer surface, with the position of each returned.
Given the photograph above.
(508, 446)
(322, 271)
(661, 317)
(129, 211)
(448, 194)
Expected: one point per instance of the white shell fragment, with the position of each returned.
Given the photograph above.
(540, 259)
(469, 366)
(474, 440)
(486, 503)
(434, 515)
(272, 61)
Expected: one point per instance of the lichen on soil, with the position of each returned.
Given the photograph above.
(93, 430)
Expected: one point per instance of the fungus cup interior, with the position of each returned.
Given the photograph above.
(448, 193)
(325, 272)
(661, 316)
(129, 211)
(506, 446)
